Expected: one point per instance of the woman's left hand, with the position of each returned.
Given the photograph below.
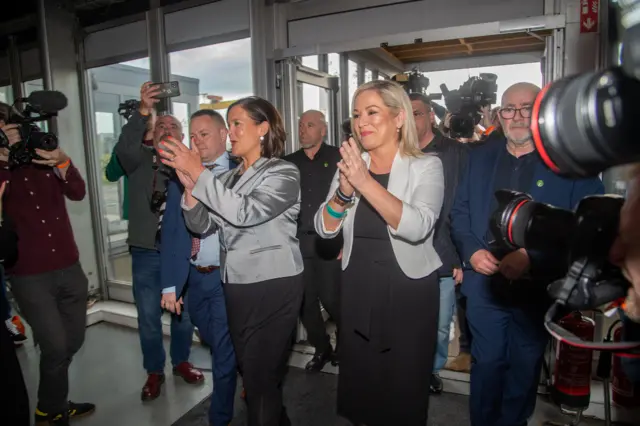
(185, 161)
(352, 166)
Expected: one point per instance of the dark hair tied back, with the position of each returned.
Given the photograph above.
(261, 110)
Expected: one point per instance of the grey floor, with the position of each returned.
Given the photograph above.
(108, 371)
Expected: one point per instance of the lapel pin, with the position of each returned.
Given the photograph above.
(540, 183)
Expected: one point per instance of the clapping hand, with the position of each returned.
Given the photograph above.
(353, 169)
(186, 162)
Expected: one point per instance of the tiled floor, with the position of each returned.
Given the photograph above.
(108, 372)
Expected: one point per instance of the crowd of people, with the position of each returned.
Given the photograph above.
(389, 233)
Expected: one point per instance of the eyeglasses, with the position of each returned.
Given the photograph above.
(510, 112)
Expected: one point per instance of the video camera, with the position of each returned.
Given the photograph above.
(40, 105)
(416, 82)
(127, 108)
(581, 126)
(465, 103)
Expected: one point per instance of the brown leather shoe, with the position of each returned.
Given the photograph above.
(152, 387)
(189, 373)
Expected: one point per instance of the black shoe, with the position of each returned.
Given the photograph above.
(318, 361)
(44, 419)
(75, 410)
(435, 384)
(80, 409)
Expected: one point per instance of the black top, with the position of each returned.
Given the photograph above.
(454, 156)
(315, 179)
(368, 222)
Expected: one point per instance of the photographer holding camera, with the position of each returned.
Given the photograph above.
(47, 280)
(506, 299)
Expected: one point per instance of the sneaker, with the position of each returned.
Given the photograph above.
(75, 410)
(14, 329)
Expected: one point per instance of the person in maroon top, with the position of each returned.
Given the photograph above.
(47, 280)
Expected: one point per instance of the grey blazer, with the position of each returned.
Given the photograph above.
(256, 220)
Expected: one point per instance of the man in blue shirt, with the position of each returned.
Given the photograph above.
(190, 266)
(505, 300)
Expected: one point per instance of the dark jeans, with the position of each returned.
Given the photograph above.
(55, 306)
(262, 320)
(147, 293)
(209, 313)
(5, 308)
(321, 285)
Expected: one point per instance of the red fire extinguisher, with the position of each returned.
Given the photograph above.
(624, 392)
(571, 385)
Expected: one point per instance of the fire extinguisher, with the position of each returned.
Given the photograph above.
(571, 386)
(624, 392)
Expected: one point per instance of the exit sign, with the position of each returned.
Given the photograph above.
(589, 13)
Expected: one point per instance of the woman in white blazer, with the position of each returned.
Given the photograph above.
(386, 200)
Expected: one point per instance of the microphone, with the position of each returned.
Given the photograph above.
(47, 101)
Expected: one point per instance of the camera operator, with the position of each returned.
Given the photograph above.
(148, 178)
(47, 280)
(626, 254)
(505, 301)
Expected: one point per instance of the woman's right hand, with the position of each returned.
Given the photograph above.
(345, 187)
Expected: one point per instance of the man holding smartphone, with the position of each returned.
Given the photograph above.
(147, 195)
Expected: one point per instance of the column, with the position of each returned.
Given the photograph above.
(61, 73)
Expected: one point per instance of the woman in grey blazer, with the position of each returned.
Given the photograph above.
(386, 200)
(254, 208)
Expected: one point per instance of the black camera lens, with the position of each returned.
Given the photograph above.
(524, 223)
(583, 125)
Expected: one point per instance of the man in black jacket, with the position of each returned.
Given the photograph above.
(15, 406)
(453, 155)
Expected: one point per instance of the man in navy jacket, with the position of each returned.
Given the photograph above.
(190, 266)
(505, 307)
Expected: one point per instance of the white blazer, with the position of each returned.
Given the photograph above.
(419, 183)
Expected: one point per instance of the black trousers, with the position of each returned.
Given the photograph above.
(262, 319)
(465, 334)
(321, 285)
(55, 306)
(14, 405)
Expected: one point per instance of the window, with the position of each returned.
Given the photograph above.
(112, 85)
(353, 83)
(211, 76)
(334, 64)
(6, 95)
(368, 76)
(181, 112)
(310, 61)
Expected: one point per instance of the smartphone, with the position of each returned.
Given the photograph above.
(170, 89)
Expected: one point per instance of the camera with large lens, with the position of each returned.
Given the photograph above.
(416, 82)
(127, 108)
(465, 104)
(38, 106)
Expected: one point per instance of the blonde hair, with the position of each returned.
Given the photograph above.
(396, 99)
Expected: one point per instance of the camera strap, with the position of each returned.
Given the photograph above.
(623, 349)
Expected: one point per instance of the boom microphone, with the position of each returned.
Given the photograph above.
(47, 101)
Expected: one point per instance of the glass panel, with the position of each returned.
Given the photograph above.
(6, 95)
(368, 75)
(181, 111)
(213, 76)
(310, 61)
(353, 83)
(334, 64)
(113, 84)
